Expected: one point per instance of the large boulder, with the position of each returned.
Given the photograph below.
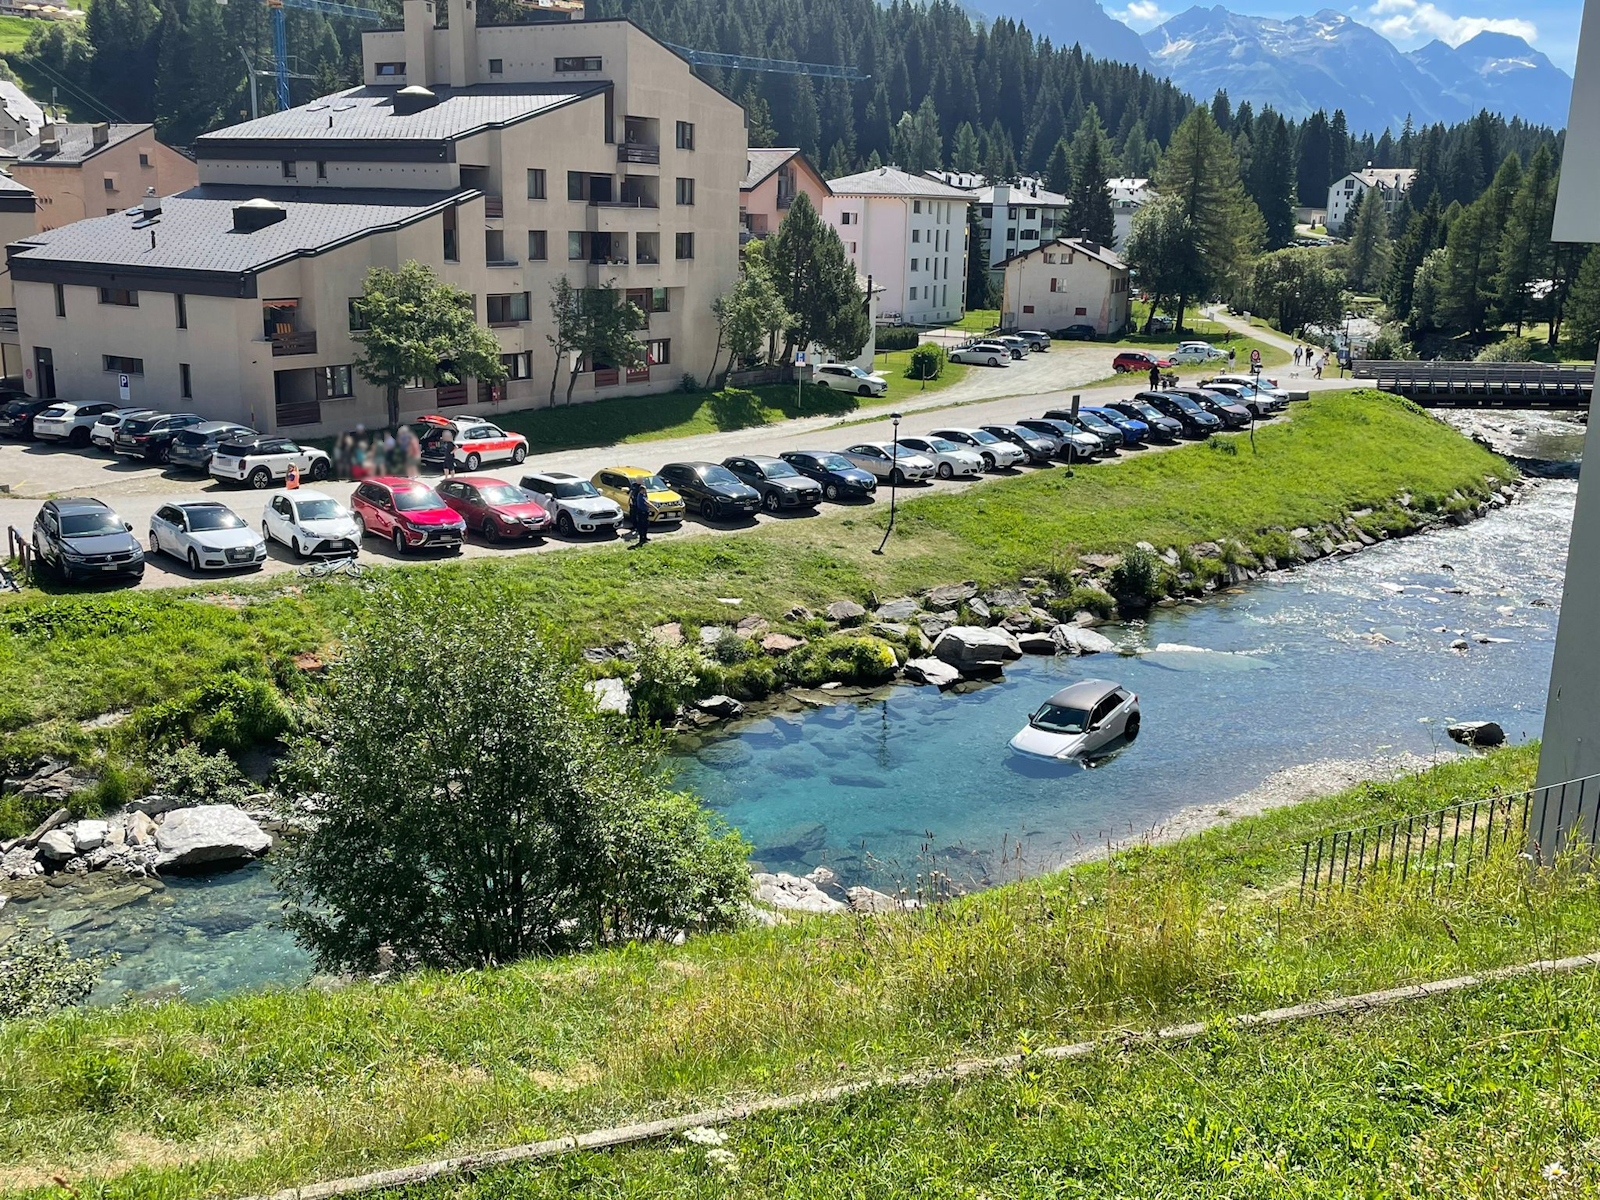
(208, 833)
(932, 671)
(898, 610)
(791, 893)
(1075, 640)
(781, 643)
(610, 695)
(974, 649)
(867, 900)
(1477, 733)
(52, 780)
(845, 611)
(723, 707)
(1038, 643)
(948, 595)
(89, 835)
(57, 845)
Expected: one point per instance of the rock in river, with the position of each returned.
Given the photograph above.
(208, 833)
(973, 648)
(1477, 733)
(1075, 640)
(785, 891)
(932, 671)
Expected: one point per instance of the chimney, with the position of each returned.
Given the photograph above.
(100, 132)
(256, 214)
(461, 41)
(151, 204)
(421, 20)
(49, 140)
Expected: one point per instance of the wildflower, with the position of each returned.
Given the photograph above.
(1553, 1171)
(704, 1135)
(725, 1161)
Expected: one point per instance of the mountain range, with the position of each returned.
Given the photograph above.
(1326, 60)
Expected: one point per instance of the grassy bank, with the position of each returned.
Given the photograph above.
(258, 1091)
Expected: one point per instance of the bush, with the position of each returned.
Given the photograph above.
(897, 337)
(664, 679)
(1082, 599)
(1389, 345)
(1136, 580)
(731, 647)
(1510, 350)
(927, 362)
(38, 975)
(197, 777)
(847, 657)
(232, 713)
(753, 679)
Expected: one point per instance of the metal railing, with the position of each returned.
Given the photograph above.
(1443, 846)
(1438, 381)
(20, 551)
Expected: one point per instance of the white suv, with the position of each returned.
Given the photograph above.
(843, 378)
(266, 460)
(70, 423)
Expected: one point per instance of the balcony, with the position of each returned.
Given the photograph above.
(785, 199)
(300, 341)
(450, 395)
(494, 206)
(631, 152)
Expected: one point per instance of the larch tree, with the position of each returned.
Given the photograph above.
(1525, 250)
(1368, 262)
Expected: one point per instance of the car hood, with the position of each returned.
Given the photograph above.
(854, 475)
(1238, 410)
(330, 527)
(664, 497)
(741, 491)
(915, 461)
(101, 543)
(227, 539)
(432, 516)
(1037, 743)
(516, 512)
(589, 506)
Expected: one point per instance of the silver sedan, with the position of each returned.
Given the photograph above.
(893, 461)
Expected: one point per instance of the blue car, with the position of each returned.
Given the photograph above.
(1134, 431)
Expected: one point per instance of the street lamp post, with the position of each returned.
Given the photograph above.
(894, 480)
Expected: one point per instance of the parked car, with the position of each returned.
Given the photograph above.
(1037, 339)
(495, 508)
(1159, 324)
(263, 461)
(577, 504)
(150, 437)
(994, 452)
(834, 472)
(69, 423)
(711, 490)
(617, 482)
(1076, 445)
(84, 539)
(1038, 447)
(989, 354)
(842, 377)
(195, 446)
(1137, 361)
(1134, 431)
(408, 513)
(1077, 333)
(896, 462)
(1232, 416)
(1162, 428)
(1257, 402)
(1111, 439)
(1197, 352)
(1079, 721)
(949, 460)
(1275, 396)
(312, 524)
(206, 535)
(472, 442)
(1196, 421)
(17, 414)
(781, 485)
(1019, 347)
(104, 429)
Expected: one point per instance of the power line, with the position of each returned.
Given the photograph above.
(774, 66)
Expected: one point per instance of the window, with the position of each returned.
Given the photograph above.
(536, 245)
(575, 184)
(916, 206)
(61, 300)
(849, 218)
(986, 211)
(912, 299)
(578, 63)
(121, 364)
(496, 66)
(914, 264)
(391, 68)
(575, 250)
(659, 301)
(322, 170)
(535, 183)
(144, 158)
(185, 387)
(338, 383)
(852, 247)
(685, 245)
(1053, 282)
(1011, 235)
(1050, 258)
(658, 353)
(685, 136)
(1032, 214)
(1027, 308)
(508, 309)
(1080, 312)
(494, 246)
(291, 170)
(110, 183)
(124, 297)
(916, 235)
(518, 366)
(180, 310)
(357, 321)
(685, 190)
(1030, 235)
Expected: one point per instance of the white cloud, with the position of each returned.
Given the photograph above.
(1411, 20)
(1146, 14)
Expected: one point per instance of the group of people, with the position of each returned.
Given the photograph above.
(1310, 357)
(359, 455)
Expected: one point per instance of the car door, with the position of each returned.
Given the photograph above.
(279, 519)
(168, 530)
(1102, 727)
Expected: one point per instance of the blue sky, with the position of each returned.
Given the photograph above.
(1551, 25)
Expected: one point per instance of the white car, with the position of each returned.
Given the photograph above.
(311, 523)
(472, 441)
(578, 505)
(1079, 721)
(843, 378)
(989, 354)
(1268, 390)
(1197, 352)
(105, 425)
(1037, 339)
(1259, 403)
(995, 453)
(885, 460)
(949, 459)
(70, 423)
(266, 460)
(206, 535)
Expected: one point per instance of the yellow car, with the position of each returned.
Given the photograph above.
(617, 483)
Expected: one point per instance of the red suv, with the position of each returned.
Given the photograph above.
(495, 508)
(409, 514)
(1138, 360)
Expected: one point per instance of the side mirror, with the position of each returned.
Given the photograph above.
(128, 525)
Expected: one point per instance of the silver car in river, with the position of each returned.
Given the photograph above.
(1079, 721)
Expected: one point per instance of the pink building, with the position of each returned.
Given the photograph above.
(771, 182)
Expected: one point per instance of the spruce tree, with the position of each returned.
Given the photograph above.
(1369, 245)
(1525, 250)
(964, 154)
(1581, 319)
(1088, 202)
(1058, 171)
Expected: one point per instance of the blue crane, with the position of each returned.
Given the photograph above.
(280, 33)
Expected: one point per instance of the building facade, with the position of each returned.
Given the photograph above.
(501, 157)
(775, 176)
(908, 234)
(1069, 281)
(20, 117)
(1012, 217)
(78, 171)
(1388, 183)
(1128, 196)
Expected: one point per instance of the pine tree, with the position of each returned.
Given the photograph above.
(1058, 171)
(1525, 250)
(1315, 163)
(1339, 157)
(1369, 245)
(839, 164)
(1088, 201)
(964, 154)
(759, 130)
(1270, 181)
(1581, 321)
(1468, 268)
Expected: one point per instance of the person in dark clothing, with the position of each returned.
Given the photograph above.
(639, 512)
(1155, 377)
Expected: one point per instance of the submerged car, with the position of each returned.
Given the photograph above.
(578, 505)
(1079, 721)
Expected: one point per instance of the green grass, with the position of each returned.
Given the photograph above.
(258, 1091)
(14, 33)
(979, 320)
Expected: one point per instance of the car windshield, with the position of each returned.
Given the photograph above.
(942, 446)
(1185, 403)
(203, 520)
(833, 462)
(58, 410)
(1094, 422)
(859, 373)
(1146, 410)
(190, 437)
(138, 424)
(320, 510)
(578, 489)
(415, 499)
(1060, 718)
(983, 437)
(779, 470)
(15, 408)
(719, 475)
(502, 493)
(234, 449)
(652, 483)
(90, 524)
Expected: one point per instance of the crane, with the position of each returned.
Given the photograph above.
(280, 33)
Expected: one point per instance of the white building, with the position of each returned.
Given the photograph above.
(1012, 217)
(1389, 183)
(909, 234)
(1067, 281)
(1128, 196)
(20, 117)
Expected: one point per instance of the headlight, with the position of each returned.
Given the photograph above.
(68, 552)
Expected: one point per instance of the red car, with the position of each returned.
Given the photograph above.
(407, 513)
(1138, 361)
(495, 508)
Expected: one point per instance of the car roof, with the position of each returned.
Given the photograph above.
(215, 426)
(80, 504)
(1086, 693)
(394, 481)
(186, 505)
(556, 476)
(694, 464)
(763, 459)
(302, 494)
(630, 472)
(483, 481)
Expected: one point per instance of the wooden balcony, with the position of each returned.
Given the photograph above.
(447, 395)
(494, 206)
(606, 377)
(301, 341)
(634, 153)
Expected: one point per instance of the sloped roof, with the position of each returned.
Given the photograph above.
(19, 106)
(762, 161)
(1093, 250)
(892, 181)
(1386, 176)
(76, 142)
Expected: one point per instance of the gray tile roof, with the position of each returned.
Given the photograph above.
(20, 106)
(8, 184)
(1102, 254)
(195, 230)
(77, 144)
(891, 181)
(367, 113)
(762, 161)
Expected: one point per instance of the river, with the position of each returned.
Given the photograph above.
(1345, 659)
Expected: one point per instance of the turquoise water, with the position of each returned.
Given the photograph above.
(1279, 673)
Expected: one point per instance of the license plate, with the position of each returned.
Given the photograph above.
(108, 566)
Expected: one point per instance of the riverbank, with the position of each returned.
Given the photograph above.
(258, 1091)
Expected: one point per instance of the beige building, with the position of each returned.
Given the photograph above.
(79, 171)
(1069, 281)
(502, 157)
(773, 178)
(16, 221)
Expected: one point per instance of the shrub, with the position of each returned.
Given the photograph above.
(927, 362)
(897, 337)
(731, 647)
(1136, 580)
(232, 713)
(847, 657)
(1389, 345)
(664, 679)
(1510, 350)
(197, 777)
(1082, 599)
(1222, 445)
(38, 975)
(753, 679)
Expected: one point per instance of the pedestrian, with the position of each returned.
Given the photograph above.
(390, 465)
(639, 512)
(447, 446)
(1297, 354)
(1232, 355)
(292, 480)
(1155, 377)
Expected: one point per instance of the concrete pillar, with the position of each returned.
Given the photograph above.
(462, 40)
(419, 23)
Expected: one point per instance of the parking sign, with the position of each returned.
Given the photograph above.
(122, 387)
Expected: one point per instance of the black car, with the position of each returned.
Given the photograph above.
(1077, 333)
(1040, 447)
(194, 447)
(1232, 416)
(712, 491)
(780, 484)
(151, 437)
(84, 539)
(1196, 421)
(1110, 436)
(839, 478)
(17, 414)
(1162, 427)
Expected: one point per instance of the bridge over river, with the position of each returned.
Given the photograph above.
(1482, 385)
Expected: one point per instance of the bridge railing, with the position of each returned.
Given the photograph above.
(1436, 377)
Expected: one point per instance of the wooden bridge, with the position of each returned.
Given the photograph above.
(1481, 385)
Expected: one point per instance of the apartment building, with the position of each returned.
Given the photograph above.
(775, 176)
(908, 233)
(16, 221)
(1128, 195)
(1389, 183)
(502, 157)
(79, 170)
(1012, 217)
(1065, 282)
(20, 117)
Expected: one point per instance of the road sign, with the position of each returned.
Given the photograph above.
(122, 387)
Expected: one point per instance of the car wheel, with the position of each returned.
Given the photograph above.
(319, 470)
(194, 561)
(988, 462)
(993, 361)
(519, 454)
(79, 438)
(897, 477)
(946, 471)
(155, 543)
(294, 544)
(831, 491)
(770, 503)
(564, 525)
(863, 390)
(1131, 729)
(474, 461)
(399, 542)
(361, 531)
(261, 479)
(165, 453)
(491, 532)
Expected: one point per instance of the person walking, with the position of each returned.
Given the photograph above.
(1297, 354)
(1155, 377)
(1232, 355)
(639, 512)
(1322, 362)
